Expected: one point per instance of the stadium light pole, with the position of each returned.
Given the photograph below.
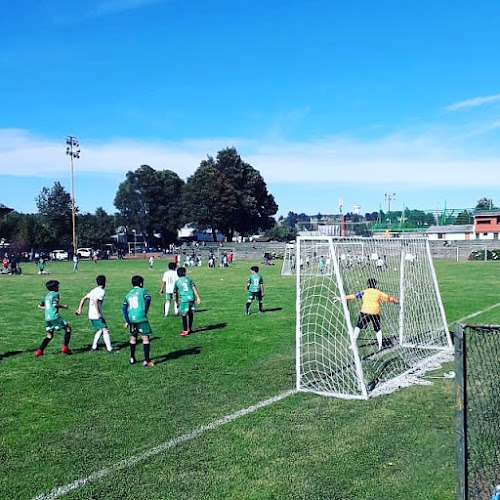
(389, 198)
(73, 150)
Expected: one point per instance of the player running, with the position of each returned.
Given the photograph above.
(53, 321)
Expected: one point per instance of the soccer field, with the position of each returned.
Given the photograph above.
(91, 426)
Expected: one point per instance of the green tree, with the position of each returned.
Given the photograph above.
(208, 198)
(54, 205)
(484, 204)
(150, 201)
(94, 230)
(229, 195)
(464, 217)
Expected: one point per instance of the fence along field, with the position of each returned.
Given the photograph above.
(68, 417)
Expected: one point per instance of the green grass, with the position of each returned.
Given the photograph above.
(65, 417)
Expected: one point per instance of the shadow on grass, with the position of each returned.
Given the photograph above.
(117, 346)
(217, 326)
(9, 354)
(274, 309)
(176, 355)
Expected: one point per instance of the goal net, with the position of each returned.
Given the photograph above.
(289, 260)
(330, 359)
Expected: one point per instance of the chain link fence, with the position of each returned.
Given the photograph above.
(477, 450)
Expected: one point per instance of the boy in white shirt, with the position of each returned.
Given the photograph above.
(167, 287)
(96, 297)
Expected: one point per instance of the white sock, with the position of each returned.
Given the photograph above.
(167, 307)
(379, 339)
(176, 308)
(107, 340)
(97, 336)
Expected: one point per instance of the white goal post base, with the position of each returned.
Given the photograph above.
(330, 360)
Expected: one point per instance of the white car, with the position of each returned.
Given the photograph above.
(59, 255)
(85, 253)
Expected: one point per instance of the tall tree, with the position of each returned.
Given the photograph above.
(228, 194)
(94, 230)
(150, 201)
(54, 205)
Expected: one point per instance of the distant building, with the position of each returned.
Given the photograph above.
(462, 232)
(487, 224)
(189, 233)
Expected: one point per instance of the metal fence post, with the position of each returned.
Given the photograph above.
(460, 413)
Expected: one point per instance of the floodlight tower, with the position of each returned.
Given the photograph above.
(389, 198)
(73, 150)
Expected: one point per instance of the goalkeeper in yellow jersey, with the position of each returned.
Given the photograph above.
(370, 308)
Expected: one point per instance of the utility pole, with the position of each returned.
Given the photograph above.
(73, 150)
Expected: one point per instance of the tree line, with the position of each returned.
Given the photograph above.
(225, 194)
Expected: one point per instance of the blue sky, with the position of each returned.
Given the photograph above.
(328, 99)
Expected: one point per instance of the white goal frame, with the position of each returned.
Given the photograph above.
(330, 360)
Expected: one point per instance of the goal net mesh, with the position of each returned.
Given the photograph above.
(330, 360)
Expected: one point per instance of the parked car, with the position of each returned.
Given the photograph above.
(85, 253)
(59, 255)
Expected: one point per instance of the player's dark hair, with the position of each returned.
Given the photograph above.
(372, 283)
(172, 266)
(101, 280)
(52, 285)
(181, 272)
(255, 269)
(137, 280)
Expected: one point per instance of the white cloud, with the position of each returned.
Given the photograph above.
(474, 102)
(419, 160)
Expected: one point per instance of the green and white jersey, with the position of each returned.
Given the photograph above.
(254, 281)
(50, 303)
(184, 287)
(136, 304)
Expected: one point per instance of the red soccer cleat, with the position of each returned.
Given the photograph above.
(66, 350)
(185, 332)
(38, 352)
(148, 364)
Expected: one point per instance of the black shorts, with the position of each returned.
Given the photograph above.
(365, 319)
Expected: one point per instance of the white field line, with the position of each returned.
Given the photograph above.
(473, 315)
(131, 461)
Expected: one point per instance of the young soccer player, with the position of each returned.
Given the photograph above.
(370, 308)
(167, 287)
(53, 321)
(255, 289)
(135, 310)
(96, 297)
(185, 293)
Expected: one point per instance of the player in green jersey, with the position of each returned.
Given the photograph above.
(135, 310)
(255, 289)
(185, 293)
(53, 321)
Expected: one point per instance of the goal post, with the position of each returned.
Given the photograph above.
(330, 358)
(288, 267)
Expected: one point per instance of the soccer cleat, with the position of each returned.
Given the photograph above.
(185, 332)
(132, 361)
(38, 352)
(66, 350)
(148, 364)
